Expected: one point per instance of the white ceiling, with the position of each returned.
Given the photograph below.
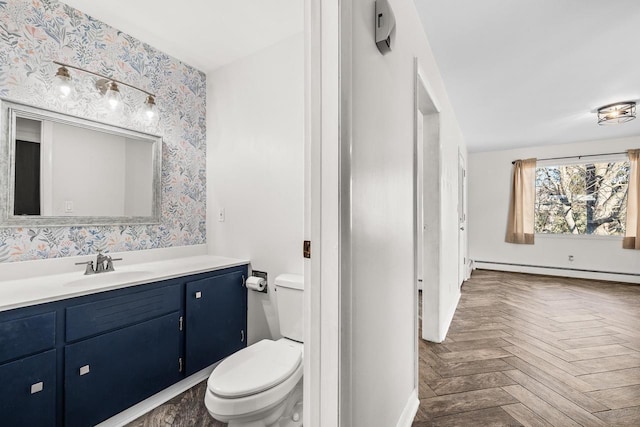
(203, 33)
(531, 72)
(518, 73)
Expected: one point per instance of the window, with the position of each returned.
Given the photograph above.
(586, 198)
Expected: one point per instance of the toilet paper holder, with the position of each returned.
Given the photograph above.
(262, 275)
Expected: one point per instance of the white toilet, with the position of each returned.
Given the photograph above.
(261, 385)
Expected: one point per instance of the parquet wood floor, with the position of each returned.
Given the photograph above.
(526, 350)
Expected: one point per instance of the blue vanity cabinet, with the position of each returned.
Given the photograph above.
(27, 369)
(216, 318)
(137, 353)
(76, 362)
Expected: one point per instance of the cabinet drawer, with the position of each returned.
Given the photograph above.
(29, 335)
(28, 391)
(112, 313)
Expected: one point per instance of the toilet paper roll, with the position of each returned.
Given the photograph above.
(256, 283)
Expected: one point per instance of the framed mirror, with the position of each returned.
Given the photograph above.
(61, 170)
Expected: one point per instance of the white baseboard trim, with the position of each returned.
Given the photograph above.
(138, 410)
(410, 410)
(550, 271)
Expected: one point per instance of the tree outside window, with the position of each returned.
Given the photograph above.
(589, 198)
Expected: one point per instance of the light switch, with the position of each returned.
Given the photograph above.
(221, 215)
(84, 370)
(37, 387)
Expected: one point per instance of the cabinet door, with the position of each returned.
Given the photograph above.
(28, 391)
(216, 311)
(108, 373)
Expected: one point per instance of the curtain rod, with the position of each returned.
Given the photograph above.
(577, 157)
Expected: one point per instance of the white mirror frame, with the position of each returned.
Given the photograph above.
(8, 112)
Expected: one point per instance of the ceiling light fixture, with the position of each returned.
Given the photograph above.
(614, 114)
(107, 86)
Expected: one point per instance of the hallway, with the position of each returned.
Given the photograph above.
(535, 351)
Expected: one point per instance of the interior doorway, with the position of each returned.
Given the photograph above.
(427, 203)
(419, 184)
(462, 220)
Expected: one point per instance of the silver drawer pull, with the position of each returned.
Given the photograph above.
(84, 370)
(242, 335)
(37, 387)
(198, 295)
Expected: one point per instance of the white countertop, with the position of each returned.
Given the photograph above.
(54, 287)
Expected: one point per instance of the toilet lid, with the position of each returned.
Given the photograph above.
(256, 368)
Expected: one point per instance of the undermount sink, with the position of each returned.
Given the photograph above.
(109, 278)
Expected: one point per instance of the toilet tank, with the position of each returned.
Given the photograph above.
(290, 300)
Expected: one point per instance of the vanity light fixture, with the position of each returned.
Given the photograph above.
(150, 107)
(111, 93)
(614, 114)
(107, 86)
(63, 82)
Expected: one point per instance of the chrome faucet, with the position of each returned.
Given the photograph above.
(89, 269)
(100, 259)
(100, 264)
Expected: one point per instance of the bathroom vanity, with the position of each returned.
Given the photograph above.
(88, 347)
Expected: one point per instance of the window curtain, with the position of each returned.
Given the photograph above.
(632, 234)
(521, 207)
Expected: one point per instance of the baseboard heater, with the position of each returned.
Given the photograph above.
(557, 268)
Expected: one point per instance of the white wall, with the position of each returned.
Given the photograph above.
(255, 168)
(489, 186)
(383, 290)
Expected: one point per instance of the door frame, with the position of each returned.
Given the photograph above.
(462, 219)
(327, 213)
(427, 109)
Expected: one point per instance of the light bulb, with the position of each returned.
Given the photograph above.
(112, 96)
(150, 107)
(63, 83)
(64, 89)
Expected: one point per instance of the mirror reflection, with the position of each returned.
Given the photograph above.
(87, 172)
(66, 170)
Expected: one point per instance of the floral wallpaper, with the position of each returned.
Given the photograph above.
(33, 33)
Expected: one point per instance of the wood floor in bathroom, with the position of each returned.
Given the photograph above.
(535, 351)
(184, 410)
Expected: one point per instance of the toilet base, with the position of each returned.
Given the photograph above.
(282, 415)
(289, 421)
